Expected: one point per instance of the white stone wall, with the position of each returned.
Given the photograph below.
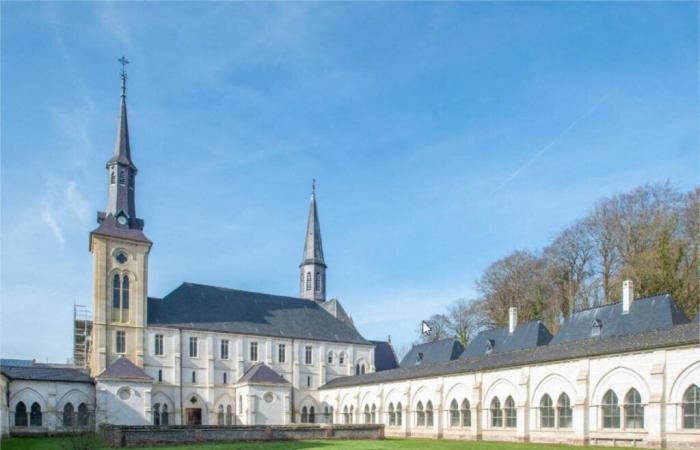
(123, 402)
(4, 407)
(661, 378)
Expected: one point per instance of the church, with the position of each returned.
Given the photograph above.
(626, 373)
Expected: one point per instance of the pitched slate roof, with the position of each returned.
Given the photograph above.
(334, 307)
(124, 369)
(645, 314)
(210, 308)
(33, 371)
(384, 356)
(262, 374)
(432, 352)
(679, 335)
(530, 334)
(108, 227)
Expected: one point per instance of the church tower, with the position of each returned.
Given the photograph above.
(312, 267)
(119, 261)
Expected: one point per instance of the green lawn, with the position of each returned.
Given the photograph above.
(387, 444)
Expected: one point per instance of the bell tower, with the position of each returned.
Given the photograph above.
(312, 267)
(119, 260)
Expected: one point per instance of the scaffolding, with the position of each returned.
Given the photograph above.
(82, 330)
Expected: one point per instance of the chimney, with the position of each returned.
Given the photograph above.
(627, 295)
(512, 319)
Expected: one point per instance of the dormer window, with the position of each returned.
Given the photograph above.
(596, 327)
(489, 346)
(419, 357)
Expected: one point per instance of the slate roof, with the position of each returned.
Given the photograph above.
(526, 335)
(124, 369)
(679, 335)
(645, 314)
(334, 307)
(384, 356)
(108, 227)
(432, 352)
(199, 307)
(262, 374)
(15, 369)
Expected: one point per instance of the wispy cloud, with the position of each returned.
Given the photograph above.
(551, 143)
(50, 221)
(113, 21)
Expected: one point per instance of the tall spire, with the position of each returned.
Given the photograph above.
(122, 149)
(313, 266)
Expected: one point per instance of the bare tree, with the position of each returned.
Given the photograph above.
(466, 319)
(439, 326)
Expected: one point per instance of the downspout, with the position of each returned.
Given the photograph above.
(182, 409)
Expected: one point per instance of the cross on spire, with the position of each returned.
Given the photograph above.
(313, 187)
(123, 62)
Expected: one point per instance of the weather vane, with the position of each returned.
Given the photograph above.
(124, 62)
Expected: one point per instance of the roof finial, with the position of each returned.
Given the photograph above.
(124, 62)
(313, 187)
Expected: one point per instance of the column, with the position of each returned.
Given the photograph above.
(522, 431)
(580, 416)
(475, 405)
(653, 411)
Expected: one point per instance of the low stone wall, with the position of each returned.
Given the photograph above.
(117, 436)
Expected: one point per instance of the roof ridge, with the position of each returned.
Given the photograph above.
(620, 301)
(242, 290)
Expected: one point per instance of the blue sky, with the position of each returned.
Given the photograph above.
(442, 135)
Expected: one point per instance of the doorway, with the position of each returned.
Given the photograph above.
(194, 416)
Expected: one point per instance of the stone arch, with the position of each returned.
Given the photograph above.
(28, 396)
(423, 393)
(629, 378)
(308, 401)
(458, 391)
(122, 271)
(223, 399)
(199, 403)
(394, 395)
(553, 384)
(369, 398)
(74, 396)
(683, 381)
(501, 388)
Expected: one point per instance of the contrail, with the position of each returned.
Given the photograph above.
(551, 143)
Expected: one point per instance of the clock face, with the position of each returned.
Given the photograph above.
(121, 220)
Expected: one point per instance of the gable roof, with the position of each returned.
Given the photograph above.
(335, 309)
(526, 335)
(124, 369)
(679, 335)
(645, 314)
(17, 369)
(384, 356)
(432, 352)
(211, 308)
(262, 374)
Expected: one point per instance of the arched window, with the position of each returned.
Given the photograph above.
(346, 415)
(611, 410)
(35, 415)
(341, 359)
(510, 413)
(331, 417)
(691, 408)
(564, 411)
(352, 413)
(68, 414)
(115, 291)
(367, 417)
(374, 414)
(318, 281)
(546, 412)
(634, 410)
(454, 413)
(326, 413)
(312, 415)
(330, 357)
(392, 415)
(399, 413)
(229, 415)
(304, 414)
(357, 369)
(112, 177)
(164, 418)
(429, 414)
(83, 415)
(125, 292)
(156, 414)
(308, 281)
(466, 413)
(420, 415)
(220, 415)
(362, 369)
(496, 413)
(20, 415)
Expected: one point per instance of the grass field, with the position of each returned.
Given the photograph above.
(387, 444)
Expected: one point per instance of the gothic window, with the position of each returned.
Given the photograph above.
(83, 415)
(115, 291)
(420, 415)
(20, 415)
(341, 359)
(367, 415)
(68, 414)
(546, 412)
(253, 351)
(164, 418)
(220, 415)
(125, 292)
(352, 413)
(496, 413)
(362, 369)
(357, 369)
(312, 415)
(156, 414)
(121, 342)
(634, 410)
(158, 350)
(374, 413)
(454, 413)
(122, 177)
(392, 415)
(691, 408)
(307, 354)
(35, 415)
(611, 410)
(510, 413)
(304, 415)
(330, 417)
(429, 414)
(318, 281)
(330, 357)
(282, 353)
(398, 414)
(564, 411)
(193, 347)
(466, 413)
(308, 281)
(224, 349)
(229, 415)
(346, 415)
